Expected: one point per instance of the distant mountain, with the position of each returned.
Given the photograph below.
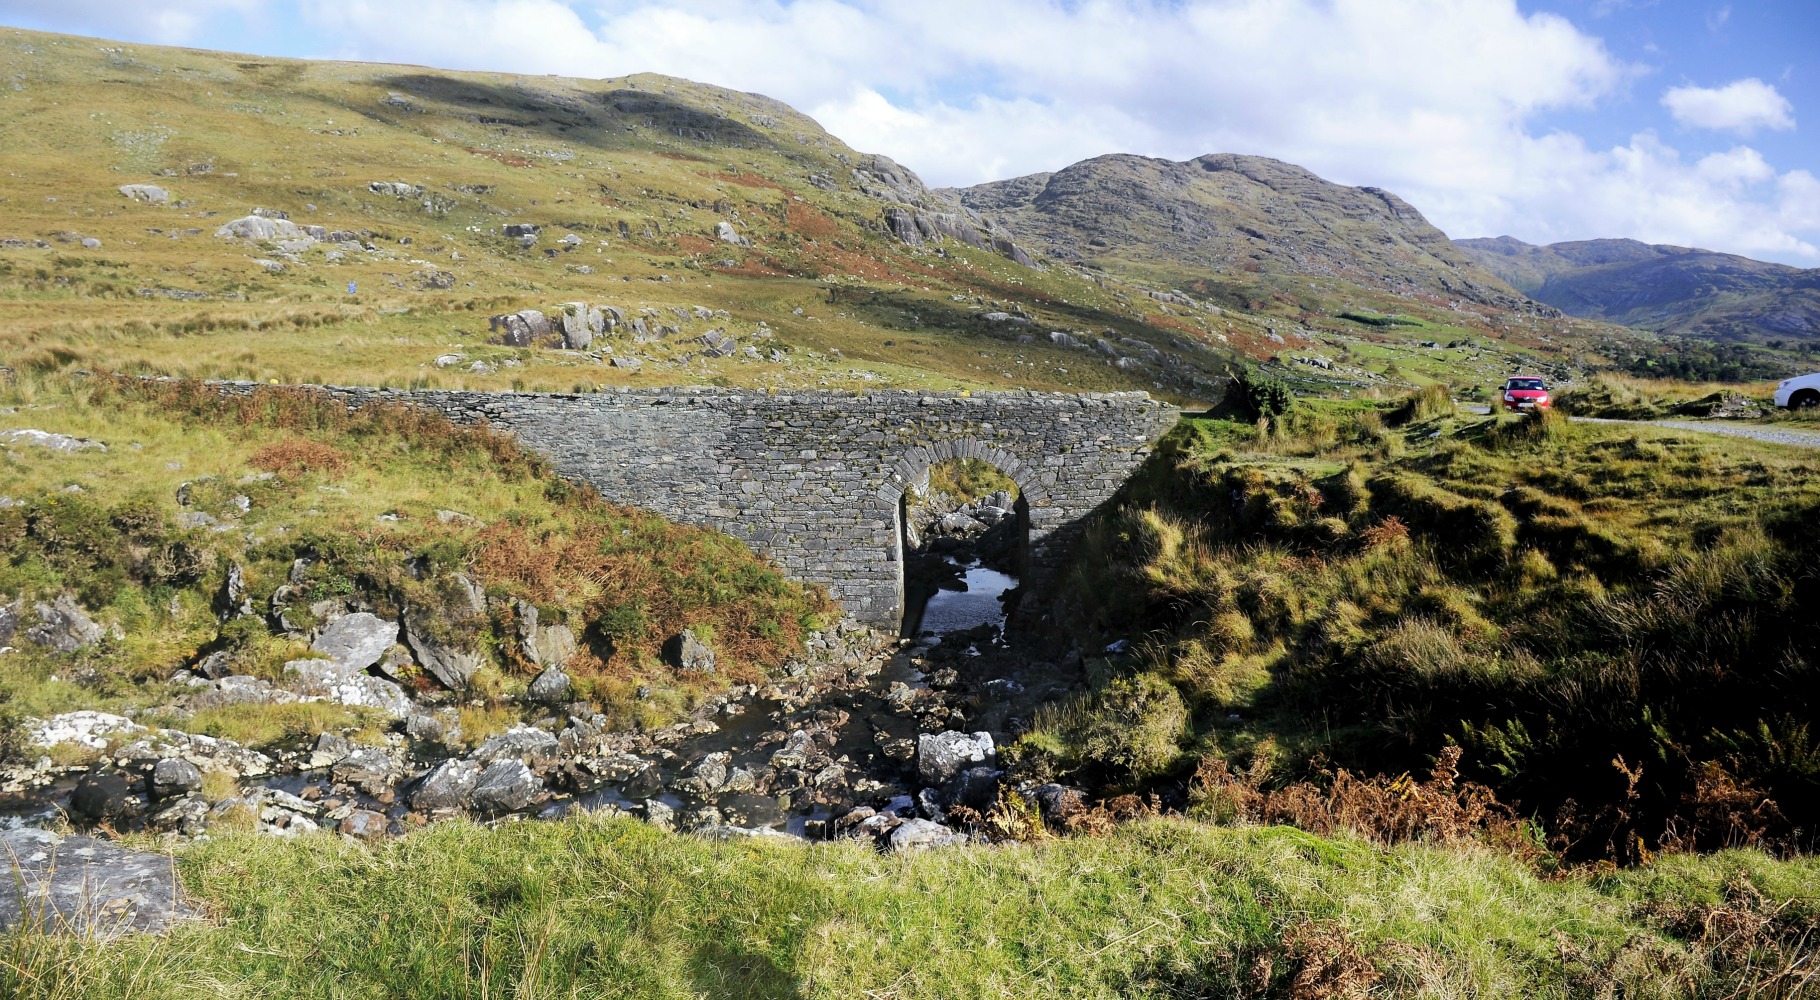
(1223, 216)
(1670, 289)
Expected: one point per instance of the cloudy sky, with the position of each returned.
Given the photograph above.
(1671, 121)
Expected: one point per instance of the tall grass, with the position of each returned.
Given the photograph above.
(584, 907)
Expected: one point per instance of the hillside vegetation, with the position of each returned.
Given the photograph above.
(1611, 628)
(318, 512)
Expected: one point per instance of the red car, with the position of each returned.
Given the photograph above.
(1525, 392)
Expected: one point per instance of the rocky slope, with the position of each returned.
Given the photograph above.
(1669, 289)
(1223, 215)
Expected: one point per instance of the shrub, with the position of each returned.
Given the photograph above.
(1257, 396)
(1135, 725)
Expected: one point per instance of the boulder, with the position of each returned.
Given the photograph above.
(449, 787)
(256, 227)
(552, 687)
(240, 689)
(45, 439)
(976, 788)
(522, 743)
(370, 769)
(346, 685)
(728, 234)
(175, 776)
(452, 667)
(397, 189)
(357, 641)
(922, 834)
(364, 824)
(518, 230)
(64, 627)
(151, 194)
(685, 652)
(104, 796)
(9, 620)
(86, 727)
(505, 786)
(86, 887)
(942, 756)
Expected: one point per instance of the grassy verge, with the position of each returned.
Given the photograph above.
(1615, 624)
(382, 509)
(1157, 909)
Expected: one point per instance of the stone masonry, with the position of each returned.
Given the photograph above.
(813, 479)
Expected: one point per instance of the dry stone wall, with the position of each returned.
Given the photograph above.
(813, 479)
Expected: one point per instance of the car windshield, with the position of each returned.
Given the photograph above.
(1531, 384)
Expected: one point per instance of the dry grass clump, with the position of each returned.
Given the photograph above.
(297, 456)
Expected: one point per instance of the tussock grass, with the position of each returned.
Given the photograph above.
(1567, 602)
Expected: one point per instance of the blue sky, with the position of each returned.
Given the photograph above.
(1673, 121)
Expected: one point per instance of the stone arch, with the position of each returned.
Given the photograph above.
(916, 462)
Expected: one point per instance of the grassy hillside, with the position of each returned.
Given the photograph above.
(1615, 624)
(584, 908)
(384, 507)
(413, 175)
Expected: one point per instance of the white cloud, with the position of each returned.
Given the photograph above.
(1742, 106)
(164, 22)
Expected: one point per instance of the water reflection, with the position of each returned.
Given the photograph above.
(976, 603)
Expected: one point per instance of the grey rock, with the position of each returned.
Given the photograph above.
(240, 689)
(517, 230)
(9, 620)
(397, 189)
(370, 769)
(505, 786)
(449, 787)
(364, 824)
(104, 796)
(330, 749)
(90, 243)
(452, 667)
(921, 834)
(151, 194)
(231, 601)
(659, 814)
(1057, 801)
(64, 627)
(45, 439)
(728, 234)
(175, 776)
(685, 652)
(942, 756)
(357, 641)
(976, 788)
(259, 228)
(86, 887)
(215, 666)
(552, 687)
(346, 685)
(523, 743)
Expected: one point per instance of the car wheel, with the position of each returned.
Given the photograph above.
(1806, 399)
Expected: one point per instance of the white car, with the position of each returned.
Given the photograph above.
(1798, 393)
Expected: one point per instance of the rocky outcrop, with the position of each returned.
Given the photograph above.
(917, 215)
(87, 887)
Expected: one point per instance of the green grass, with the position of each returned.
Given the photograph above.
(1563, 600)
(583, 908)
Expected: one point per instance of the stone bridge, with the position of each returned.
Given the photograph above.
(814, 479)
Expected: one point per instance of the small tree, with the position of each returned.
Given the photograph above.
(1257, 396)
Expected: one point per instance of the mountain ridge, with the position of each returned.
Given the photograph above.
(1670, 289)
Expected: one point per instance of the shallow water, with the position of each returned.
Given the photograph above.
(977, 604)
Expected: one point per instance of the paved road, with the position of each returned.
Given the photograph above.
(1756, 432)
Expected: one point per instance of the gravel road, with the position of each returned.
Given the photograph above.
(1800, 439)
